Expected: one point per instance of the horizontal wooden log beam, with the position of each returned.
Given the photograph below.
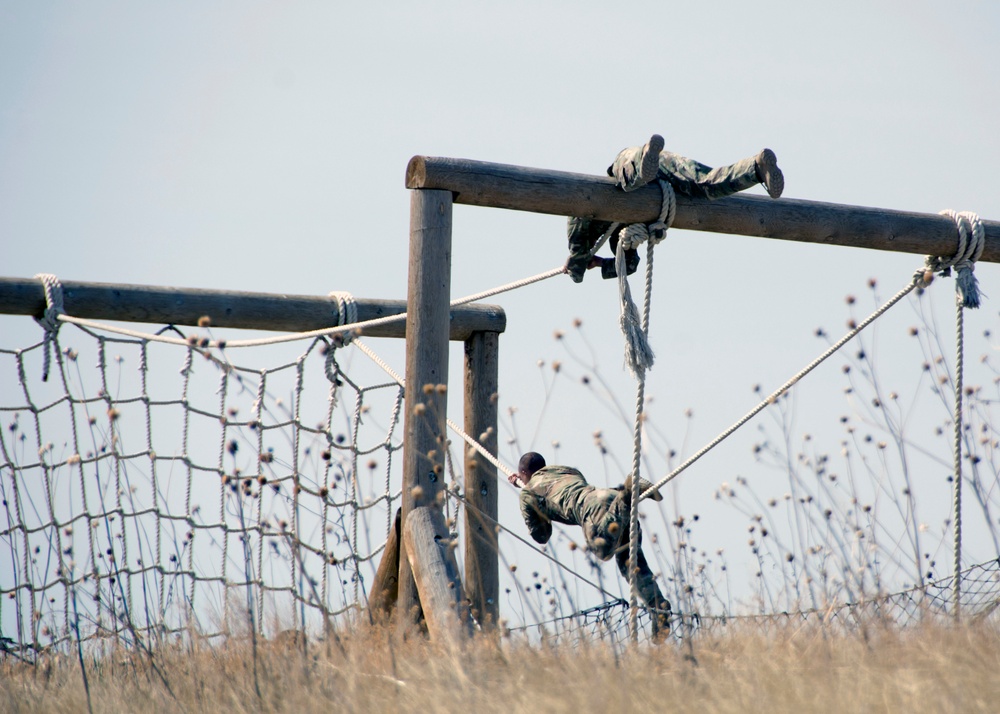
(251, 311)
(478, 183)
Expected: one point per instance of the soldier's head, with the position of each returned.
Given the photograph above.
(528, 465)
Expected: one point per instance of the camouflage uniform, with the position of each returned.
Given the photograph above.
(687, 177)
(561, 494)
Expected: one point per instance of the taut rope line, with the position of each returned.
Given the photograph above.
(968, 296)
(783, 388)
(323, 332)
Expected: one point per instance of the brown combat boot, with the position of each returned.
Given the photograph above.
(769, 174)
(650, 164)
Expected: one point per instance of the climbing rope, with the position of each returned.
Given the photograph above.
(971, 241)
(638, 354)
(638, 358)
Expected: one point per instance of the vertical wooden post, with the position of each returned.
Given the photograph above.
(482, 569)
(427, 298)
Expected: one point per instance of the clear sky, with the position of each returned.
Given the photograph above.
(262, 146)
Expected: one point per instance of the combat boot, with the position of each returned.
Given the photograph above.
(638, 165)
(769, 174)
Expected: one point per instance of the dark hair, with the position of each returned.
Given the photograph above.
(530, 463)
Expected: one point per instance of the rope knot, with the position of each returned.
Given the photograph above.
(639, 355)
(633, 235)
(347, 314)
(971, 241)
(50, 318)
(668, 209)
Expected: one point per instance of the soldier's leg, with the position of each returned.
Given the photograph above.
(692, 178)
(648, 590)
(650, 593)
(636, 166)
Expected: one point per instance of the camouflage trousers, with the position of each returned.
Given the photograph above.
(687, 177)
(610, 535)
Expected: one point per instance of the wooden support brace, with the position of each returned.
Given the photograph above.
(431, 554)
(385, 587)
(478, 183)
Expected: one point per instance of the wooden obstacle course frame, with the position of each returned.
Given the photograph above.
(437, 183)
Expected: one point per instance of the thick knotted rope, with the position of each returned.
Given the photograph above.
(639, 355)
(347, 311)
(971, 241)
(50, 318)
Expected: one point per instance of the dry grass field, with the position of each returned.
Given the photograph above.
(920, 669)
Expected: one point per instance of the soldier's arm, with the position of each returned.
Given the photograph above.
(539, 526)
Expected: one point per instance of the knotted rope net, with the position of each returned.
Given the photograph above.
(154, 490)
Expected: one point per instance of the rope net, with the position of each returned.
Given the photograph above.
(610, 621)
(168, 490)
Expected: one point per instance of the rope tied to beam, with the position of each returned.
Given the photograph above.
(50, 318)
(347, 314)
(971, 241)
(639, 355)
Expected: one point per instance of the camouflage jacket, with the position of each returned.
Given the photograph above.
(562, 494)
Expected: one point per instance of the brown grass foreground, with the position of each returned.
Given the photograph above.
(929, 669)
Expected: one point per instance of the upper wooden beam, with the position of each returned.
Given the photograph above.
(478, 183)
(251, 311)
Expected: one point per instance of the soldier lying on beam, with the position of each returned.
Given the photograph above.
(636, 166)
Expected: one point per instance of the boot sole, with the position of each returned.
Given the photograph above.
(774, 180)
(650, 160)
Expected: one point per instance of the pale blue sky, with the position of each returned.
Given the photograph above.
(262, 146)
